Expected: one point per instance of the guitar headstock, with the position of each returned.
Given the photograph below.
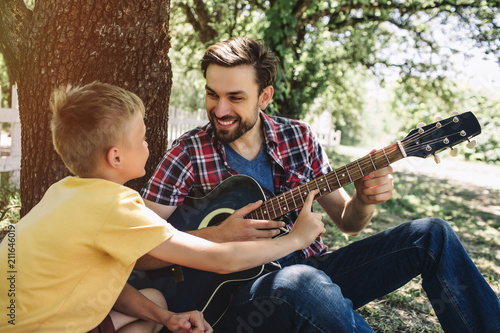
(446, 133)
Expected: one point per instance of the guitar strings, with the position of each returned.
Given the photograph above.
(354, 170)
(273, 208)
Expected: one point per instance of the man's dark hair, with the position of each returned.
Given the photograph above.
(243, 51)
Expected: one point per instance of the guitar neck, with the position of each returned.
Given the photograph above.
(286, 202)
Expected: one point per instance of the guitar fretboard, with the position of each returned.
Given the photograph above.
(279, 205)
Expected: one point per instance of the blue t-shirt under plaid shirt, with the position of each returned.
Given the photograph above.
(196, 164)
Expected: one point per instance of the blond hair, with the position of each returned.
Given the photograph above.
(88, 120)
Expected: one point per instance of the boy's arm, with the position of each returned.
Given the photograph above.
(133, 303)
(187, 250)
(234, 228)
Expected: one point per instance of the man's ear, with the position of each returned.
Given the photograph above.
(113, 157)
(265, 97)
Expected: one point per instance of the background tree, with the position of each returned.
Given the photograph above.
(328, 47)
(52, 43)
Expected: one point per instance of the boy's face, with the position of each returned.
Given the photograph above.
(134, 150)
(232, 101)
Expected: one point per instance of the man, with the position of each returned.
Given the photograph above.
(316, 290)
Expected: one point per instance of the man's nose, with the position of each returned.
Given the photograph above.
(222, 108)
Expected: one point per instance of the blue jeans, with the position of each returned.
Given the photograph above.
(320, 294)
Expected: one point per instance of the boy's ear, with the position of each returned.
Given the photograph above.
(113, 157)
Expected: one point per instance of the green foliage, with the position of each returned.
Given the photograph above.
(192, 29)
(487, 111)
(422, 100)
(328, 49)
(4, 83)
(10, 201)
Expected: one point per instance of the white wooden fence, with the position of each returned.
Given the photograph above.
(10, 140)
(322, 125)
(180, 121)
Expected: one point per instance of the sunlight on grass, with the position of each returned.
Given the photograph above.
(472, 212)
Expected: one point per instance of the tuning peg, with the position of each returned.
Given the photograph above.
(454, 152)
(437, 159)
(454, 113)
(438, 118)
(420, 124)
(471, 144)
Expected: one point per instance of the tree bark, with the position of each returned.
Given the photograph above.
(122, 42)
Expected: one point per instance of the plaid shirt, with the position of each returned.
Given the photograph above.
(196, 164)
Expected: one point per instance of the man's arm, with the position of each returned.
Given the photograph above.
(352, 215)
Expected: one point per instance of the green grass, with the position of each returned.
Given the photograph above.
(472, 212)
(10, 202)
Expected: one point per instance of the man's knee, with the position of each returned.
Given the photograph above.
(305, 281)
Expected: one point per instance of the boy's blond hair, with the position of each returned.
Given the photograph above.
(87, 121)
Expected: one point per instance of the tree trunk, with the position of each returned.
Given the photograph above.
(122, 42)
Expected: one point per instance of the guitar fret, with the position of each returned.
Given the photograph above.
(293, 199)
(335, 172)
(286, 203)
(348, 173)
(317, 187)
(321, 180)
(274, 209)
(327, 183)
(279, 205)
(300, 192)
(370, 156)
(255, 214)
(307, 186)
(266, 211)
(362, 174)
(386, 156)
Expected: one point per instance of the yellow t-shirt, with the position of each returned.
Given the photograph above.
(64, 264)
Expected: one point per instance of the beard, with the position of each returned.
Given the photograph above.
(228, 136)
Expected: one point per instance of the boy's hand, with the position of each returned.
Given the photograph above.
(308, 225)
(237, 228)
(191, 321)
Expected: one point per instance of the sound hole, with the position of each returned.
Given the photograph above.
(217, 219)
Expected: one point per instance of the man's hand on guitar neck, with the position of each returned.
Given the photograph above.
(237, 228)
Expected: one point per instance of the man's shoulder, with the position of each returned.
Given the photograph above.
(287, 126)
(286, 122)
(196, 137)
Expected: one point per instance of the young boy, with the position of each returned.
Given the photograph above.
(75, 250)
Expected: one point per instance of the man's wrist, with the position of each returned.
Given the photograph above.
(209, 233)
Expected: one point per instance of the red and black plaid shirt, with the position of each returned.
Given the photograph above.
(196, 164)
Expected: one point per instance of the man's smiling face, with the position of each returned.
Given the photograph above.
(232, 101)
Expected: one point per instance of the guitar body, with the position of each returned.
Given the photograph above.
(230, 195)
(206, 291)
